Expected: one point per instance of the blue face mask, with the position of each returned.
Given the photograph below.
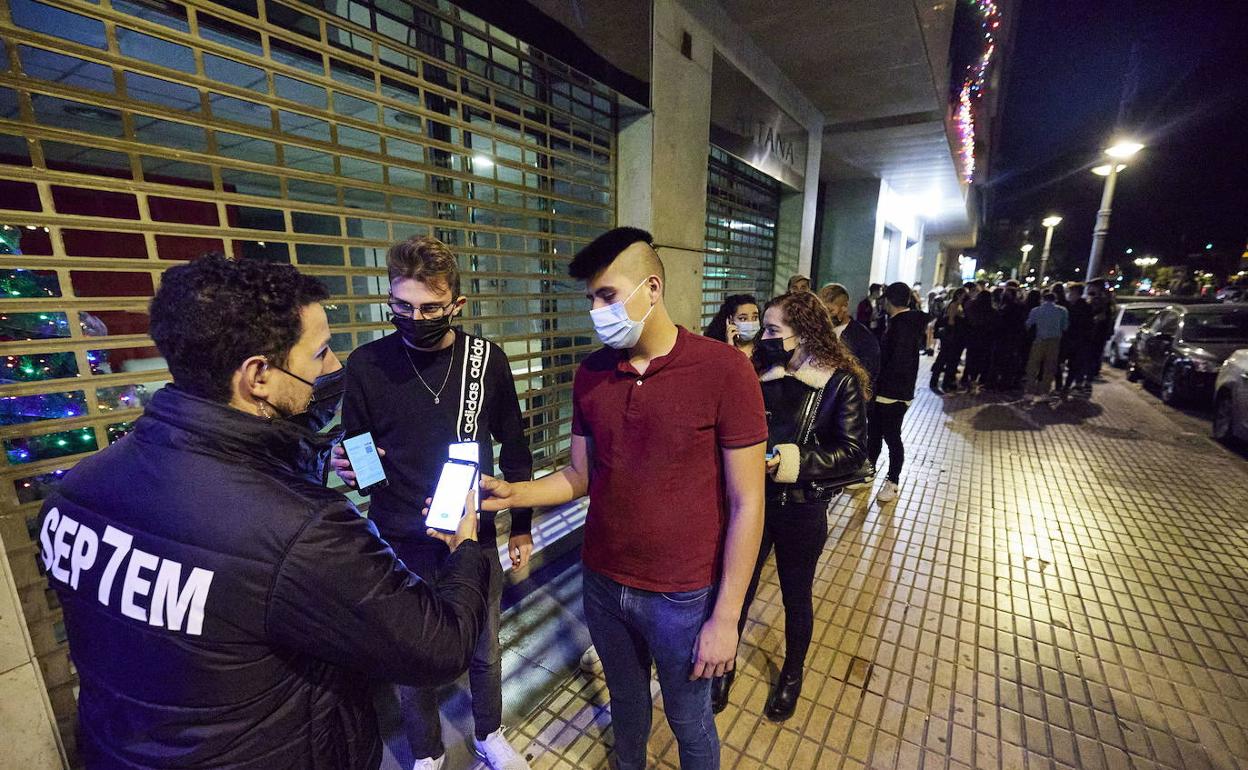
(747, 330)
(614, 326)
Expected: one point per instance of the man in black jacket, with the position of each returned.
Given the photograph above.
(857, 337)
(225, 609)
(894, 389)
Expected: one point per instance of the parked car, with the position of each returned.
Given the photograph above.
(1230, 399)
(1232, 294)
(1130, 318)
(1182, 348)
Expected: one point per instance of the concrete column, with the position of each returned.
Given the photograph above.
(850, 226)
(680, 95)
(789, 255)
(28, 735)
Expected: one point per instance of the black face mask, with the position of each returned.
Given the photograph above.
(772, 353)
(422, 333)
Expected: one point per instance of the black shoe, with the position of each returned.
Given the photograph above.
(783, 700)
(720, 686)
(935, 385)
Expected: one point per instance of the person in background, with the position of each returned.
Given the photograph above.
(1048, 323)
(270, 603)
(668, 439)
(1104, 310)
(981, 318)
(866, 308)
(856, 337)
(935, 310)
(899, 368)
(799, 283)
(1078, 339)
(452, 387)
(951, 328)
(1011, 335)
(736, 322)
(802, 366)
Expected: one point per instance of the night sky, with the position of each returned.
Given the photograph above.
(1063, 97)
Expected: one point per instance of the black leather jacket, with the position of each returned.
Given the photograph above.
(224, 609)
(833, 446)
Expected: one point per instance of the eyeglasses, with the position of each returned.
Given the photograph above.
(430, 311)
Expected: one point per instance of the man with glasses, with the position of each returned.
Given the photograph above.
(418, 391)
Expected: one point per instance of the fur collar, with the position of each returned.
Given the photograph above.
(810, 374)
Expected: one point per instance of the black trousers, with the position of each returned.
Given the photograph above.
(946, 366)
(797, 532)
(884, 427)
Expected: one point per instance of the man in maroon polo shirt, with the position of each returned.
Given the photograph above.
(668, 434)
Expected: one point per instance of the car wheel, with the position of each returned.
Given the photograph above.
(1223, 418)
(1171, 389)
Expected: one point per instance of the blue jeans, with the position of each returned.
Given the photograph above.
(632, 628)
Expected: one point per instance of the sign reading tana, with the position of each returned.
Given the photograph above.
(748, 124)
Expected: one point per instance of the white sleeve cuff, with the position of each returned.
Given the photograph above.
(790, 463)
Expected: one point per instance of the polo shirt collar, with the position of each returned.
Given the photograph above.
(622, 366)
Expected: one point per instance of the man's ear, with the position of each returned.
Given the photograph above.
(256, 377)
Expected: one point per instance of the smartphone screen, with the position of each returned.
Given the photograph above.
(362, 454)
(457, 480)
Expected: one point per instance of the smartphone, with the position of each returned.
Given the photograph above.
(771, 454)
(458, 478)
(365, 462)
(464, 450)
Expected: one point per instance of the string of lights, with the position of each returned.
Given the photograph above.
(973, 86)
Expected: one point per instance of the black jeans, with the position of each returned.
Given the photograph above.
(798, 532)
(884, 427)
(418, 706)
(946, 366)
(978, 359)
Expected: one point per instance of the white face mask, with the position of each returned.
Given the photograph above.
(614, 327)
(748, 330)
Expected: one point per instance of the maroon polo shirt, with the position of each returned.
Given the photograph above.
(657, 505)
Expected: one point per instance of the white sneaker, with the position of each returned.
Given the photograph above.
(496, 752)
(888, 493)
(430, 763)
(590, 662)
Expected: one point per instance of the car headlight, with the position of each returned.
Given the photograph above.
(1206, 365)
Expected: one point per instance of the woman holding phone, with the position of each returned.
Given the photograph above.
(736, 323)
(815, 393)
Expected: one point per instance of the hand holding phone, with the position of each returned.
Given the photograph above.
(362, 466)
(467, 525)
(453, 496)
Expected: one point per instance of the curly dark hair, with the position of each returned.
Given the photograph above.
(717, 329)
(809, 318)
(214, 313)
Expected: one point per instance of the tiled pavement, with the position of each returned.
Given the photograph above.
(1056, 588)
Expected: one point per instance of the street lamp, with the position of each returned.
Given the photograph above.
(1022, 265)
(1049, 223)
(1121, 150)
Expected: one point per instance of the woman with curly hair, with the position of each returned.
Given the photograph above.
(815, 393)
(736, 323)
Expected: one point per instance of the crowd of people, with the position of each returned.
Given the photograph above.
(1044, 343)
(226, 607)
